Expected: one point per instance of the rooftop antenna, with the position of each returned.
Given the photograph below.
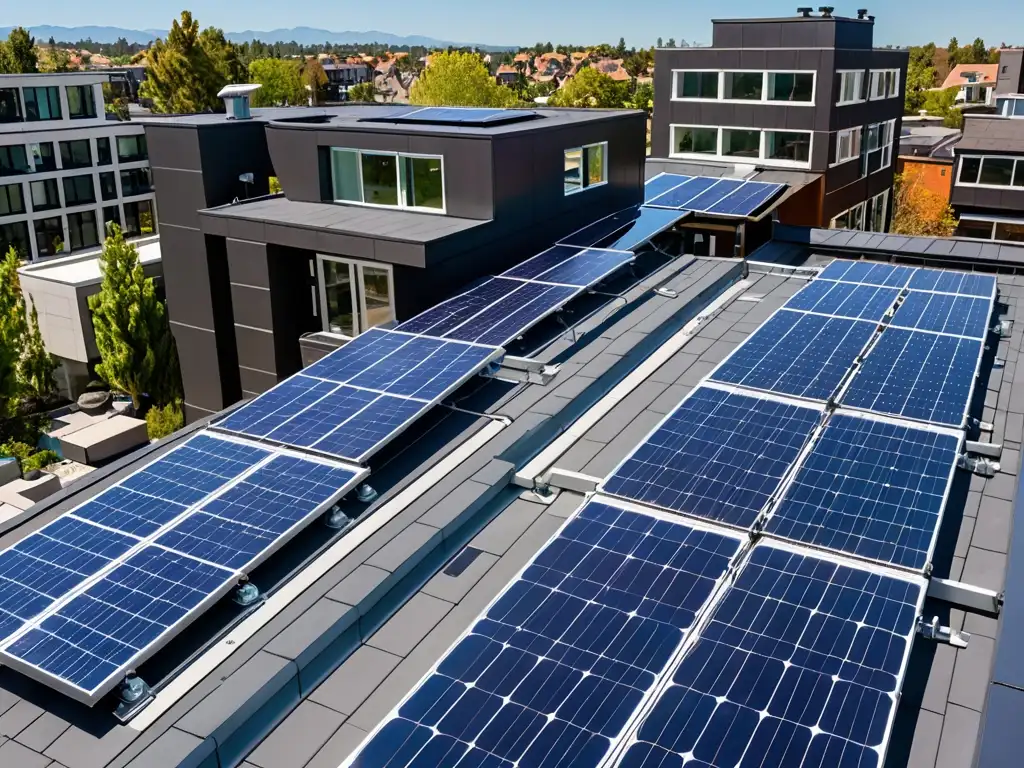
(826, 11)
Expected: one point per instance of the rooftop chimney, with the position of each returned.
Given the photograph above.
(236, 100)
(862, 13)
(826, 11)
(805, 12)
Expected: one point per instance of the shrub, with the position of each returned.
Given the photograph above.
(161, 422)
(39, 460)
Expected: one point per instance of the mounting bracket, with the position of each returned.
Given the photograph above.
(934, 631)
(966, 596)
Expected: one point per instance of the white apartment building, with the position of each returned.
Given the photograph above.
(65, 169)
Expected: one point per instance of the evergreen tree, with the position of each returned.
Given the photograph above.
(137, 350)
(671, 42)
(18, 54)
(661, 44)
(37, 365)
(12, 333)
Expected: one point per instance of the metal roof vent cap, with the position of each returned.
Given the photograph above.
(236, 99)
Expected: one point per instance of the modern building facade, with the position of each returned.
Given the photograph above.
(343, 75)
(379, 218)
(66, 170)
(807, 96)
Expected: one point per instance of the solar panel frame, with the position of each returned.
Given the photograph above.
(353, 760)
(839, 420)
(758, 551)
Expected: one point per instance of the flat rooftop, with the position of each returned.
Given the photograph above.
(353, 622)
(83, 269)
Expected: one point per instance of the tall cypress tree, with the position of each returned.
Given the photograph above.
(12, 333)
(37, 365)
(135, 343)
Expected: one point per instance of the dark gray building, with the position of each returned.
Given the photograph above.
(379, 219)
(805, 96)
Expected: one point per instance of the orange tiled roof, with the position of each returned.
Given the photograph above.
(957, 77)
(506, 69)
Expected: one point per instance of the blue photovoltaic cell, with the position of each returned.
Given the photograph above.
(944, 313)
(661, 184)
(456, 115)
(48, 564)
(960, 283)
(371, 428)
(858, 302)
(450, 314)
(274, 407)
(745, 201)
(245, 521)
(650, 223)
(323, 417)
(799, 667)
(921, 376)
(551, 674)
(680, 196)
(602, 229)
(870, 489)
(356, 356)
(152, 497)
(423, 368)
(714, 194)
(98, 634)
(588, 268)
(507, 319)
(534, 267)
(718, 456)
(797, 354)
(868, 273)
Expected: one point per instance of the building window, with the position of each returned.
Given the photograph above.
(111, 215)
(991, 171)
(43, 158)
(884, 84)
(585, 167)
(49, 236)
(42, 103)
(997, 171)
(388, 179)
(15, 235)
(692, 140)
(792, 146)
(136, 181)
(138, 218)
(78, 190)
(354, 296)
(103, 156)
(108, 186)
(13, 160)
(45, 196)
(131, 149)
(743, 86)
(11, 200)
(888, 130)
(10, 106)
(791, 86)
(696, 85)
(892, 83)
(1009, 232)
(851, 87)
(868, 216)
(81, 101)
(75, 154)
(82, 230)
(848, 145)
(741, 143)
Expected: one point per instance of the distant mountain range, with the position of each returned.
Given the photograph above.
(301, 35)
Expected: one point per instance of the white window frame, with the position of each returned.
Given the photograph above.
(765, 73)
(585, 183)
(883, 84)
(865, 207)
(357, 287)
(1018, 163)
(402, 201)
(992, 230)
(859, 76)
(886, 140)
(854, 155)
(761, 158)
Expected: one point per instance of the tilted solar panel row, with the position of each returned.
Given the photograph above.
(709, 195)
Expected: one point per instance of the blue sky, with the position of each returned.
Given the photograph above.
(486, 21)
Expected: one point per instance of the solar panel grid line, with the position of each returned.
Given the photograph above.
(840, 458)
(955, 282)
(662, 183)
(698, 194)
(692, 733)
(413, 751)
(868, 273)
(944, 313)
(517, 320)
(846, 300)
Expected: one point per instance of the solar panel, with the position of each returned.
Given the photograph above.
(917, 375)
(871, 489)
(746, 200)
(797, 354)
(650, 223)
(945, 313)
(858, 302)
(800, 665)
(661, 184)
(553, 671)
(680, 196)
(868, 273)
(715, 194)
(460, 116)
(603, 229)
(439, 320)
(507, 319)
(960, 283)
(719, 456)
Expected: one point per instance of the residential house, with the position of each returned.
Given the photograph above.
(343, 75)
(975, 83)
(613, 68)
(507, 74)
(925, 154)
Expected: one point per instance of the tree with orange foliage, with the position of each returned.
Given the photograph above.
(919, 211)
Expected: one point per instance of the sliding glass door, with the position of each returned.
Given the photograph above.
(354, 295)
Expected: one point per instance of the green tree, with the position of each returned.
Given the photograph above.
(920, 77)
(18, 54)
(459, 80)
(12, 334)
(314, 79)
(660, 43)
(187, 70)
(635, 65)
(591, 88)
(362, 92)
(137, 350)
(161, 422)
(642, 98)
(37, 365)
(977, 53)
(281, 80)
(57, 60)
(954, 52)
(671, 42)
(620, 49)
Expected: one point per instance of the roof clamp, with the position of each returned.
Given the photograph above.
(984, 467)
(982, 426)
(998, 363)
(336, 519)
(246, 593)
(668, 293)
(366, 493)
(934, 631)
(992, 450)
(133, 694)
(1003, 328)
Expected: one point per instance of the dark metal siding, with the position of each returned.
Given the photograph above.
(1012, 79)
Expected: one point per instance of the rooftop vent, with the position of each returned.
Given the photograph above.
(805, 12)
(236, 99)
(862, 13)
(826, 11)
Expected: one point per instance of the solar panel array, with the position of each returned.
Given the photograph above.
(101, 588)
(709, 195)
(626, 230)
(354, 401)
(459, 116)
